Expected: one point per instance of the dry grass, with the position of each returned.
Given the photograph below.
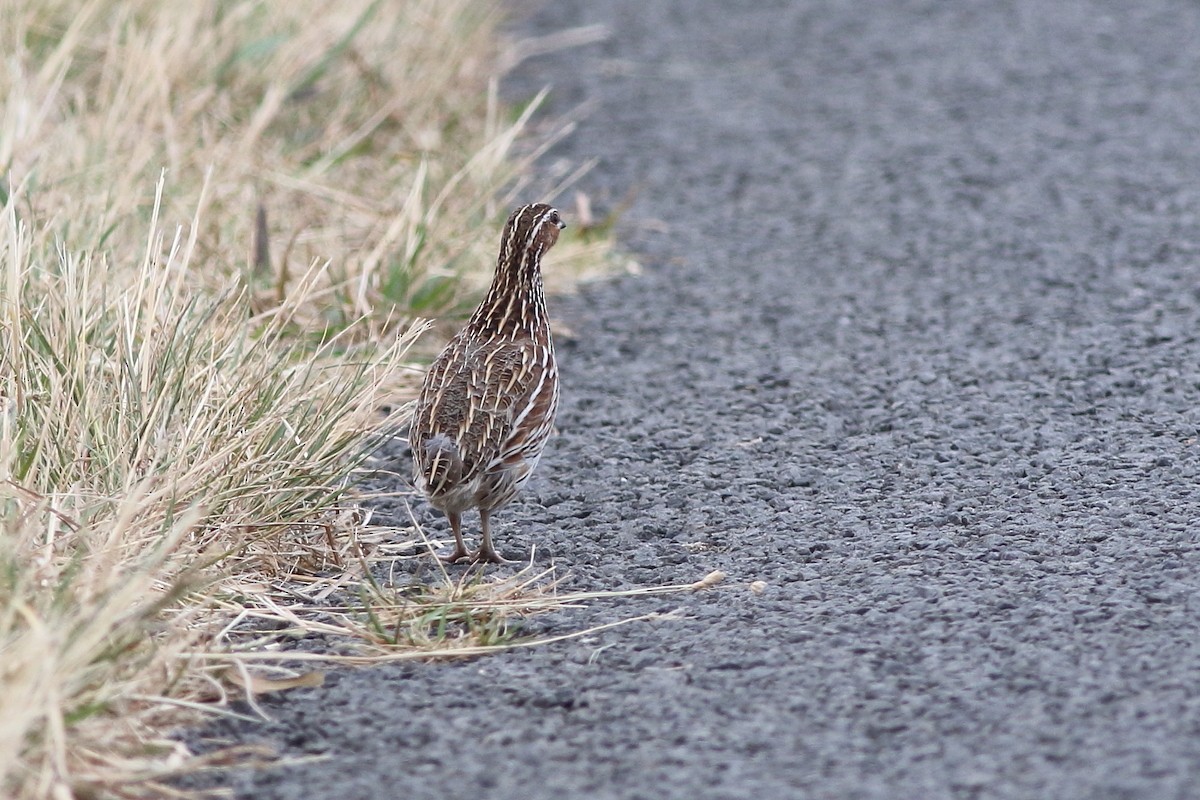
(365, 135)
(219, 221)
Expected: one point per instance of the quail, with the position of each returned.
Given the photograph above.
(487, 404)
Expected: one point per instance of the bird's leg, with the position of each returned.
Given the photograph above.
(486, 551)
(460, 549)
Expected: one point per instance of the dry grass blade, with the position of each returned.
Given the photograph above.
(393, 656)
(472, 615)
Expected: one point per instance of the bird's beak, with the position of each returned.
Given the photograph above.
(561, 224)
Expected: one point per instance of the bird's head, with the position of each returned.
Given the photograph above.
(533, 227)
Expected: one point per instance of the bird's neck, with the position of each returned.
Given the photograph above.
(515, 305)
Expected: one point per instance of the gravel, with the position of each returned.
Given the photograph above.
(916, 345)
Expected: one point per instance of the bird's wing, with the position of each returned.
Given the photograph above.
(480, 396)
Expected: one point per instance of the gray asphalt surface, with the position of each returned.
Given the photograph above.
(916, 344)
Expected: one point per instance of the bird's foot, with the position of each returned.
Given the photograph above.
(459, 555)
(489, 555)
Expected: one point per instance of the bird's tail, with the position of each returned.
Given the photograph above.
(441, 467)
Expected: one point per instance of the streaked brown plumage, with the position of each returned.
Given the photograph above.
(488, 401)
